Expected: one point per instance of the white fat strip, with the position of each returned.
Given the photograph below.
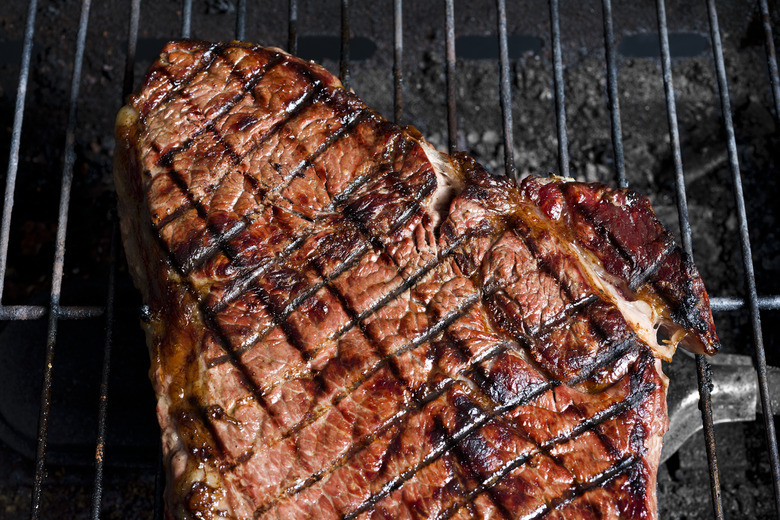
(640, 315)
(449, 181)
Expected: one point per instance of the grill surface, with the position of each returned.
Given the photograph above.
(439, 20)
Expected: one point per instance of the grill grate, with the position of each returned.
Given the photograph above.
(55, 312)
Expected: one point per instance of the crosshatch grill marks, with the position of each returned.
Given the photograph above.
(165, 80)
(192, 255)
(436, 390)
(268, 276)
(477, 423)
(478, 374)
(267, 199)
(334, 273)
(196, 110)
(345, 190)
(621, 467)
(584, 326)
(541, 390)
(255, 80)
(422, 338)
(373, 369)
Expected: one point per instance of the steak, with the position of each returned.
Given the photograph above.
(345, 323)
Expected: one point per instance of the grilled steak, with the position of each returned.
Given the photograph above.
(345, 323)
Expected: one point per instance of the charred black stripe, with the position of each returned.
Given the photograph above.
(396, 420)
(207, 415)
(208, 57)
(298, 241)
(570, 311)
(583, 427)
(416, 197)
(167, 158)
(646, 275)
(638, 278)
(222, 243)
(473, 473)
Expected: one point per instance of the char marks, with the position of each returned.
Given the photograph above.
(351, 357)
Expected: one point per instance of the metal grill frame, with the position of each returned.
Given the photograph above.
(54, 312)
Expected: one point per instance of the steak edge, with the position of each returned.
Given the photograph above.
(346, 323)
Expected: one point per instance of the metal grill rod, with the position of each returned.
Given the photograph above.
(34, 312)
(100, 443)
(59, 261)
(241, 20)
(398, 61)
(747, 255)
(292, 27)
(732, 304)
(703, 374)
(16, 137)
(344, 62)
(186, 18)
(612, 90)
(771, 56)
(452, 118)
(560, 100)
(505, 92)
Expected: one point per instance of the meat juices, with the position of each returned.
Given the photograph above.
(346, 323)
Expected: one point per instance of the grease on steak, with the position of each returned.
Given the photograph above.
(349, 324)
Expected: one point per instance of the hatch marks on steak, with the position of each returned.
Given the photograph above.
(409, 347)
(417, 403)
(621, 467)
(170, 84)
(355, 252)
(247, 274)
(344, 115)
(214, 241)
(380, 303)
(195, 111)
(484, 418)
(470, 365)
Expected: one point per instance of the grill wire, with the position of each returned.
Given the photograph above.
(55, 312)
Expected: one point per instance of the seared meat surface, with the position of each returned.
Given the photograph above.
(347, 324)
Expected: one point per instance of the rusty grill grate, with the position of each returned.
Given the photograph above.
(55, 313)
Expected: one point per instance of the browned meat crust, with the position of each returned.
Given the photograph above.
(347, 324)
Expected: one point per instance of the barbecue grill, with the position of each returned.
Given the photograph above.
(80, 308)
